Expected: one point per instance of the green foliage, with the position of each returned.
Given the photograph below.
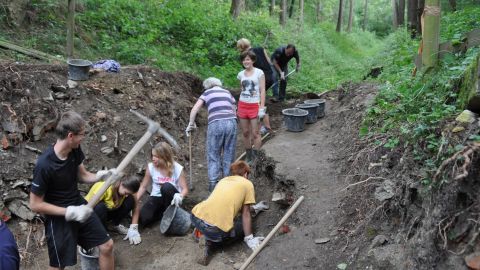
(410, 109)
(460, 22)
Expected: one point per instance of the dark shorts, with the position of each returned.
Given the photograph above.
(63, 237)
(247, 110)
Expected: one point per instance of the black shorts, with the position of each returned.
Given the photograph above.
(63, 237)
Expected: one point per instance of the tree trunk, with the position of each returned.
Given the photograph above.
(453, 4)
(365, 15)
(300, 17)
(290, 10)
(283, 13)
(70, 28)
(431, 33)
(420, 6)
(272, 7)
(350, 17)
(318, 11)
(394, 15)
(236, 8)
(401, 12)
(340, 16)
(412, 17)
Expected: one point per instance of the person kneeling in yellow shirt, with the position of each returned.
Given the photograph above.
(116, 203)
(215, 217)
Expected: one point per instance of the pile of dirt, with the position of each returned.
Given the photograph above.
(32, 100)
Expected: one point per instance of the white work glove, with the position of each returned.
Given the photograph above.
(253, 242)
(282, 76)
(133, 235)
(104, 174)
(177, 199)
(78, 213)
(261, 112)
(191, 126)
(261, 206)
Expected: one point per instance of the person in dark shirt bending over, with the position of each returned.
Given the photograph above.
(54, 193)
(280, 59)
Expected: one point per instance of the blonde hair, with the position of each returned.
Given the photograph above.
(164, 151)
(243, 44)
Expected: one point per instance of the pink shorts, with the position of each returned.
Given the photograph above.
(247, 110)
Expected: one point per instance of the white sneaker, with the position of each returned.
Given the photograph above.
(120, 229)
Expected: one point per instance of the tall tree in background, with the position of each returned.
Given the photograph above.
(365, 15)
(350, 17)
(431, 33)
(236, 8)
(283, 13)
(401, 12)
(272, 7)
(340, 16)
(420, 6)
(394, 15)
(412, 17)
(453, 4)
(300, 9)
(290, 10)
(318, 11)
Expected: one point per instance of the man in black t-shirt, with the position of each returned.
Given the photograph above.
(54, 193)
(280, 58)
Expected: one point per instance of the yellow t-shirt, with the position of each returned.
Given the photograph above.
(225, 202)
(107, 197)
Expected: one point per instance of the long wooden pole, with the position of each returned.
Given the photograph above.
(272, 232)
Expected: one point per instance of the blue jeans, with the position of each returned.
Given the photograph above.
(214, 234)
(277, 82)
(221, 137)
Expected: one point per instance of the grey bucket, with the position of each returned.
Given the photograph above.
(321, 105)
(312, 110)
(295, 119)
(89, 260)
(78, 69)
(175, 221)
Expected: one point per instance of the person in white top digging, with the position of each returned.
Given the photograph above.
(169, 187)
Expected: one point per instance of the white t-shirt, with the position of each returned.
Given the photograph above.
(250, 86)
(159, 179)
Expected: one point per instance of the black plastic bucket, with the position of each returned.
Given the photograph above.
(294, 119)
(89, 259)
(78, 69)
(175, 221)
(321, 105)
(312, 110)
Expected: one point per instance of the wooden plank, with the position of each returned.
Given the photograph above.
(30, 52)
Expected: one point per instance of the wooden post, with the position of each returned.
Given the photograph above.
(70, 28)
(272, 232)
(431, 33)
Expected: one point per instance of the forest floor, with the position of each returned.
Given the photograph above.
(330, 229)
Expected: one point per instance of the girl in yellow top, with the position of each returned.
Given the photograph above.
(117, 201)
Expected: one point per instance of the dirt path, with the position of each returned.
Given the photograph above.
(311, 159)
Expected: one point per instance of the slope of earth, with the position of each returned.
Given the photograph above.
(32, 99)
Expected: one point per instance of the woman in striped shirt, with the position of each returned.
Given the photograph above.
(221, 131)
